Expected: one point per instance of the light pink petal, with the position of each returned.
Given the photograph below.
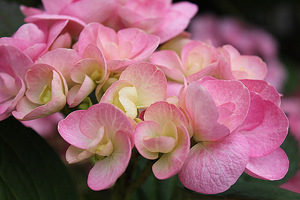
(143, 130)
(74, 25)
(28, 11)
(169, 62)
(62, 60)
(36, 50)
(106, 172)
(173, 88)
(176, 20)
(62, 41)
(55, 30)
(273, 166)
(204, 113)
(13, 61)
(162, 112)
(171, 163)
(219, 69)
(90, 10)
(162, 144)
(46, 126)
(107, 115)
(113, 91)
(270, 133)
(232, 99)
(26, 31)
(212, 167)
(252, 65)
(264, 89)
(54, 6)
(74, 154)
(149, 81)
(80, 91)
(70, 131)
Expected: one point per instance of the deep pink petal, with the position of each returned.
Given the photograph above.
(269, 134)
(204, 113)
(264, 89)
(232, 98)
(212, 167)
(273, 166)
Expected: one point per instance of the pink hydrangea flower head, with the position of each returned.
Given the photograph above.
(216, 108)
(163, 131)
(140, 85)
(158, 17)
(13, 67)
(119, 49)
(36, 39)
(102, 131)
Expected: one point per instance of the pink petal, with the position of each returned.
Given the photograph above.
(273, 166)
(143, 130)
(107, 115)
(149, 81)
(293, 184)
(264, 89)
(233, 96)
(162, 112)
(171, 163)
(74, 154)
(269, 134)
(203, 111)
(212, 167)
(62, 60)
(70, 131)
(169, 62)
(106, 172)
(13, 61)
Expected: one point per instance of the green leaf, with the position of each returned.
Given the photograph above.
(29, 168)
(11, 18)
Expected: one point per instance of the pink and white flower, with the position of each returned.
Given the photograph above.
(163, 131)
(102, 132)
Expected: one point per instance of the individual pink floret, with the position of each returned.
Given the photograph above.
(216, 108)
(158, 17)
(140, 85)
(36, 39)
(243, 66)
(163, 131)
(102, 132)
(13, 67)
(196, 60)
(88, 73)
(47, 85)
(119, 48)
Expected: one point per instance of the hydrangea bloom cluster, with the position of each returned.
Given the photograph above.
(200, 111)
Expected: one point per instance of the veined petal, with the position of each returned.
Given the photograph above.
(212, 167)
(106, 171)
(273, 166)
